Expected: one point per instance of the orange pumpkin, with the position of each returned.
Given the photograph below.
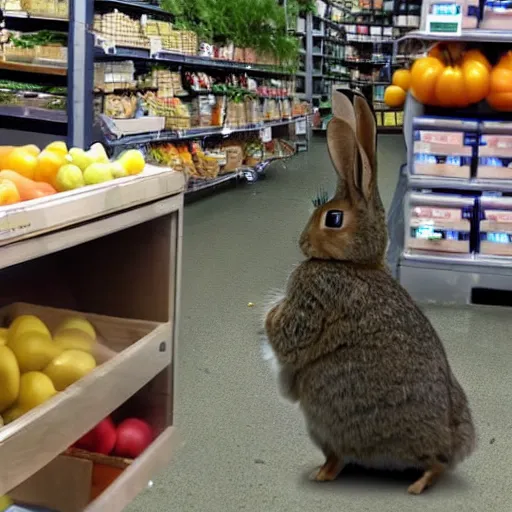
(394, 96)
(451, 86)
(478, 56)
(402, 78)
(424, 75)
(500, 95)
(505, 61)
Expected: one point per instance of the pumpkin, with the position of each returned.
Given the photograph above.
(500, 95)
(402, 78)
(424, 75)
(505, 61)
(394, 96)
(452, 85)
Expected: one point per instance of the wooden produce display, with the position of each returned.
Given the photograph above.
(112, 255)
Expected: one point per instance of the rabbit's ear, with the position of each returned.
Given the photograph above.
(342, 144)
(366, 131)
(343, 107)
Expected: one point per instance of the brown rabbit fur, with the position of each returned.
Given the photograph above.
(364, 363)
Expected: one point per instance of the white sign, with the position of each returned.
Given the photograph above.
(444, 18)
(155, 45)
(301, 127)
(266, 134)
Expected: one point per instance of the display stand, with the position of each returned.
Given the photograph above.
(120, 267)
(439, 270)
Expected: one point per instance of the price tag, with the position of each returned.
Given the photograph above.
(445, 18)
(266, 134)
(155, 45)
(301, 127)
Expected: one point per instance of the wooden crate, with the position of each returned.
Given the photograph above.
(141, 352)
(123, 267)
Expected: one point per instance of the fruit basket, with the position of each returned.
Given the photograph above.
(126, 347)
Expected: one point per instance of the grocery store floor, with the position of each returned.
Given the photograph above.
(245, 450)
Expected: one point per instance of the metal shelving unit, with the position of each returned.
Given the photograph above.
(85, 48)
(436, 276)
(193, 133)
(345, 28)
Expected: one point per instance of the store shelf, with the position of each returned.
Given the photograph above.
(135, 6)
(468, 35)
(33, 68)
(26, 16)
(449, 280)
(474, 185)
(478, 260)
(390, 129)
(196, 186)
(39, 216)
(36, 114)
(186, 60)
(363, 83)
(189, 134)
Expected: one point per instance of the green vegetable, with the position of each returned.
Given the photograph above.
(41, 38)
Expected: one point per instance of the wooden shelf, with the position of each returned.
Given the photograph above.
(41, 216)
(32, 68)
(111, 253)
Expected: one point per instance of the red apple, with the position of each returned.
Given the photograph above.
(133, 437)
(101, 439)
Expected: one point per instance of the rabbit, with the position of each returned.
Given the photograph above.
(351, 348)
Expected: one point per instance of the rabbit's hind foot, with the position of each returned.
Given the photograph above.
(329, 471)
(428, 479)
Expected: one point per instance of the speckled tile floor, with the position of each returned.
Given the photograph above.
(245, 450)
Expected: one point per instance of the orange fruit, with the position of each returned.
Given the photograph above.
(22, 162)
(8, 192)
(402, 78)
(32, 149)
(48, 165)
(394, 96)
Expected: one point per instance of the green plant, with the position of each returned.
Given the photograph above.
(258, 24)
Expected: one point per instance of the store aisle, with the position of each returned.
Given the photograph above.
(245, 450)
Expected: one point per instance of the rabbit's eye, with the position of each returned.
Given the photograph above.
(334, 219)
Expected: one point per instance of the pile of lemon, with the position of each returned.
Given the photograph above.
(35, 365)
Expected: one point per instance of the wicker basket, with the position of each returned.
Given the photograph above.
(180, 41)
(118, 29)
(51, 8)
(10, 5)
(57, 55)
(15, 54)
(177, 116)
(153, 28)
